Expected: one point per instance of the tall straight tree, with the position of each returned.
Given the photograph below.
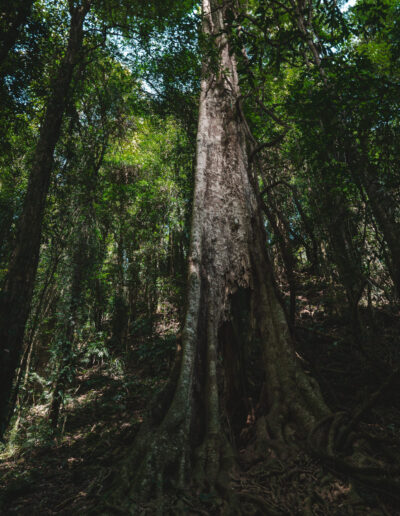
(17, 293)
(229, 275)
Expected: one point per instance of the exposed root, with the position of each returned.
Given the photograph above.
(344, 437)
(266, 508)
(360, 466)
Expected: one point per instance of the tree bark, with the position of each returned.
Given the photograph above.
(185, 436)
(17, 293)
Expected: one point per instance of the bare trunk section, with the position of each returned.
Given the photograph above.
(184, 437)
(17, 294)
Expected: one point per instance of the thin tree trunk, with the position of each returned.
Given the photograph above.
(119, 323)
(80, 258)
(287, 257)
(17, 294)
(389, 227)
(23, 369)
(312, 254)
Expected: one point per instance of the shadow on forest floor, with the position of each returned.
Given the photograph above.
(66, 475)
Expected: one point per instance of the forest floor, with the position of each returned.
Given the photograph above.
(66, 474)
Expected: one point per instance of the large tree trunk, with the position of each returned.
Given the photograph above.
(185, 436)
(17, 294)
